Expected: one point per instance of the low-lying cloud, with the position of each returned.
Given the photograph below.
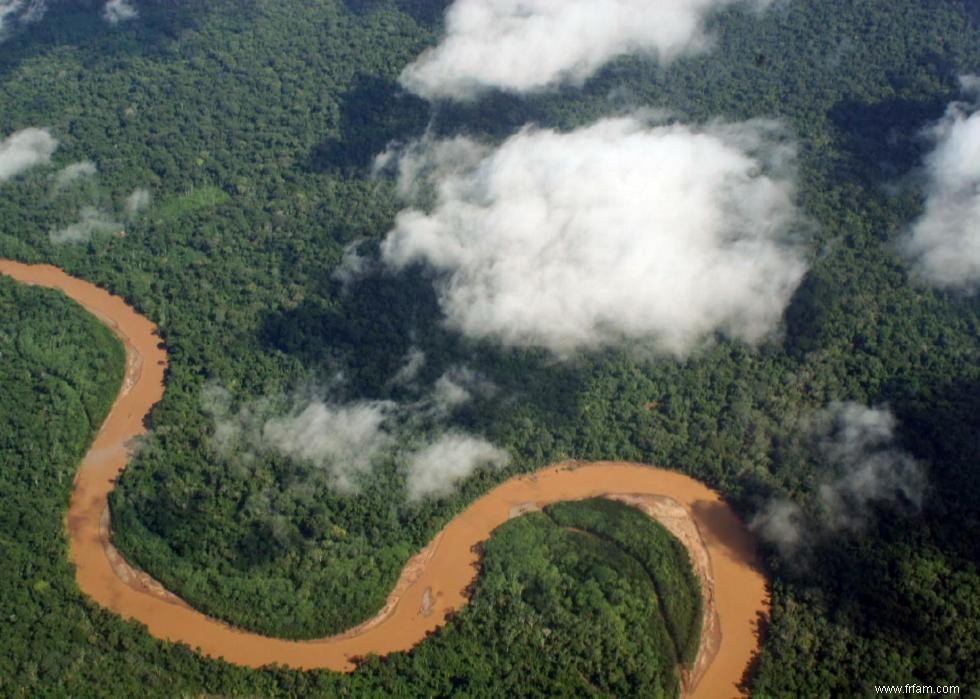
(528, 45)
(945, 240)
(438, 468)
(623, 230)
(94, 220)
(341, 440)
(91, 221)
(25, 149)
(116, 11)
(70, 174)
(138, 200)
(859, 443)
(345, 441)
(18, 13)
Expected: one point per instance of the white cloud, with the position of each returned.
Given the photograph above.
(411, 366)
(116, 11)
(450, 393)
(19, 12)
(456, 387)
(353, 265)
(342, 439)
(436, 469)
(91, 221)
(874, 470)
(345, 441)
(69, 174)
(622, 230)
(527, 45)
(945, 240)
(782, 524)
(859, 443)
(138, 200)
(25, 149)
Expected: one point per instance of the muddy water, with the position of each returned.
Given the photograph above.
(433, 584)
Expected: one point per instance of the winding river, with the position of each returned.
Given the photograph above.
(434, 582)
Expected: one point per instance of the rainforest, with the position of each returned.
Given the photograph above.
(394, 269)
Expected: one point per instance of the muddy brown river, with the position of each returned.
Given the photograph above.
(434, 582)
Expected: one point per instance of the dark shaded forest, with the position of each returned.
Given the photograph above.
(253, 126)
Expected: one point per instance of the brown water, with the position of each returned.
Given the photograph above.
(432, 585)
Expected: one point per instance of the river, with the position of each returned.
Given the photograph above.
(433, 584)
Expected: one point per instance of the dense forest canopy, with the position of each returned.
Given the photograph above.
(213, 164)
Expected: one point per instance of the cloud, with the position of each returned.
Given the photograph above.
(410, 368)
(859, 443)
(874, 470)
(25, 149)
(619, 231)
(91, 221)
(353, 265)
(341, 440)
(70, 174)
(529, 45)
(345, 441)
(116, 11)
(945, 240)
(436, 469)
(14, 13)
(137, 201)
(782, 524)
(456, 387)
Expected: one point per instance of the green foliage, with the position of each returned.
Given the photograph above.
(197, 199)
(662, 557)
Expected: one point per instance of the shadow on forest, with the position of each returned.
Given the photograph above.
(377, 112)
(80, 23)
(861, 574)
(494, 115)
(941, 424)
(366, 331)
(806, 314)
(374, 113)
(884, 138)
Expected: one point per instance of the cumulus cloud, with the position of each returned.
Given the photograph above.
(14, 13)
(623, 230)
(945, 240)
(136, 202)
(527, 45)
(436, 469)
(858, 442)
(70, 174)
(116, 11)
(92, 221)
(25, 149)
